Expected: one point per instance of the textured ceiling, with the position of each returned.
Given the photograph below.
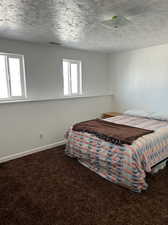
(77, 23)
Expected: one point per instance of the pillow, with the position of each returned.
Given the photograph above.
(152, 115)
(137, 112)
(159, 116)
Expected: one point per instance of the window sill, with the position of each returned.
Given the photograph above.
(54, 99)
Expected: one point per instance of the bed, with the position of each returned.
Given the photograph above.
(126, 165)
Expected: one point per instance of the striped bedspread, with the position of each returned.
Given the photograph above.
(125, 165)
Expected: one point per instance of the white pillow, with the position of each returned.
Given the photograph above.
(159, 116)
(152, 115)
(137, 112)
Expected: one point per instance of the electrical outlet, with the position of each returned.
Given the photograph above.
(41, 136)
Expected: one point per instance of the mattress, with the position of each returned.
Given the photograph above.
(125, 165)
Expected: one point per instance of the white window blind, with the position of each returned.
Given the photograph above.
(72, 77)
(12, 77)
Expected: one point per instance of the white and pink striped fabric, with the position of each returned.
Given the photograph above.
(125, 165)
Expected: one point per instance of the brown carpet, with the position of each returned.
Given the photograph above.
(48, 188)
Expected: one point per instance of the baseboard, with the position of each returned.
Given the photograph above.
(31, 151)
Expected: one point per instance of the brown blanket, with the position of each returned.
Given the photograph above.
(111, 132)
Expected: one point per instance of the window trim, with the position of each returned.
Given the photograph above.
(79, 63)
(22, 77)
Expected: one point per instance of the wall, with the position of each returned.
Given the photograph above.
(22, 123)
(44, 68)
(139, 79)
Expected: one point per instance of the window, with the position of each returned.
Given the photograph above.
(12, 77)
(72, 77)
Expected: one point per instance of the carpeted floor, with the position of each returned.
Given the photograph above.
(48, 188)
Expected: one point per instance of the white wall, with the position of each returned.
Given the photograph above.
(44, 68)
(139, 78)
(22, 123)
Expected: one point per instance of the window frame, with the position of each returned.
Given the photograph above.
(8, 78)
(79, 75)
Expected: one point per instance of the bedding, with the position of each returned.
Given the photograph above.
(151, 115)
(115, 133)
(124, 165)
(137, 112)
(159, 116)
